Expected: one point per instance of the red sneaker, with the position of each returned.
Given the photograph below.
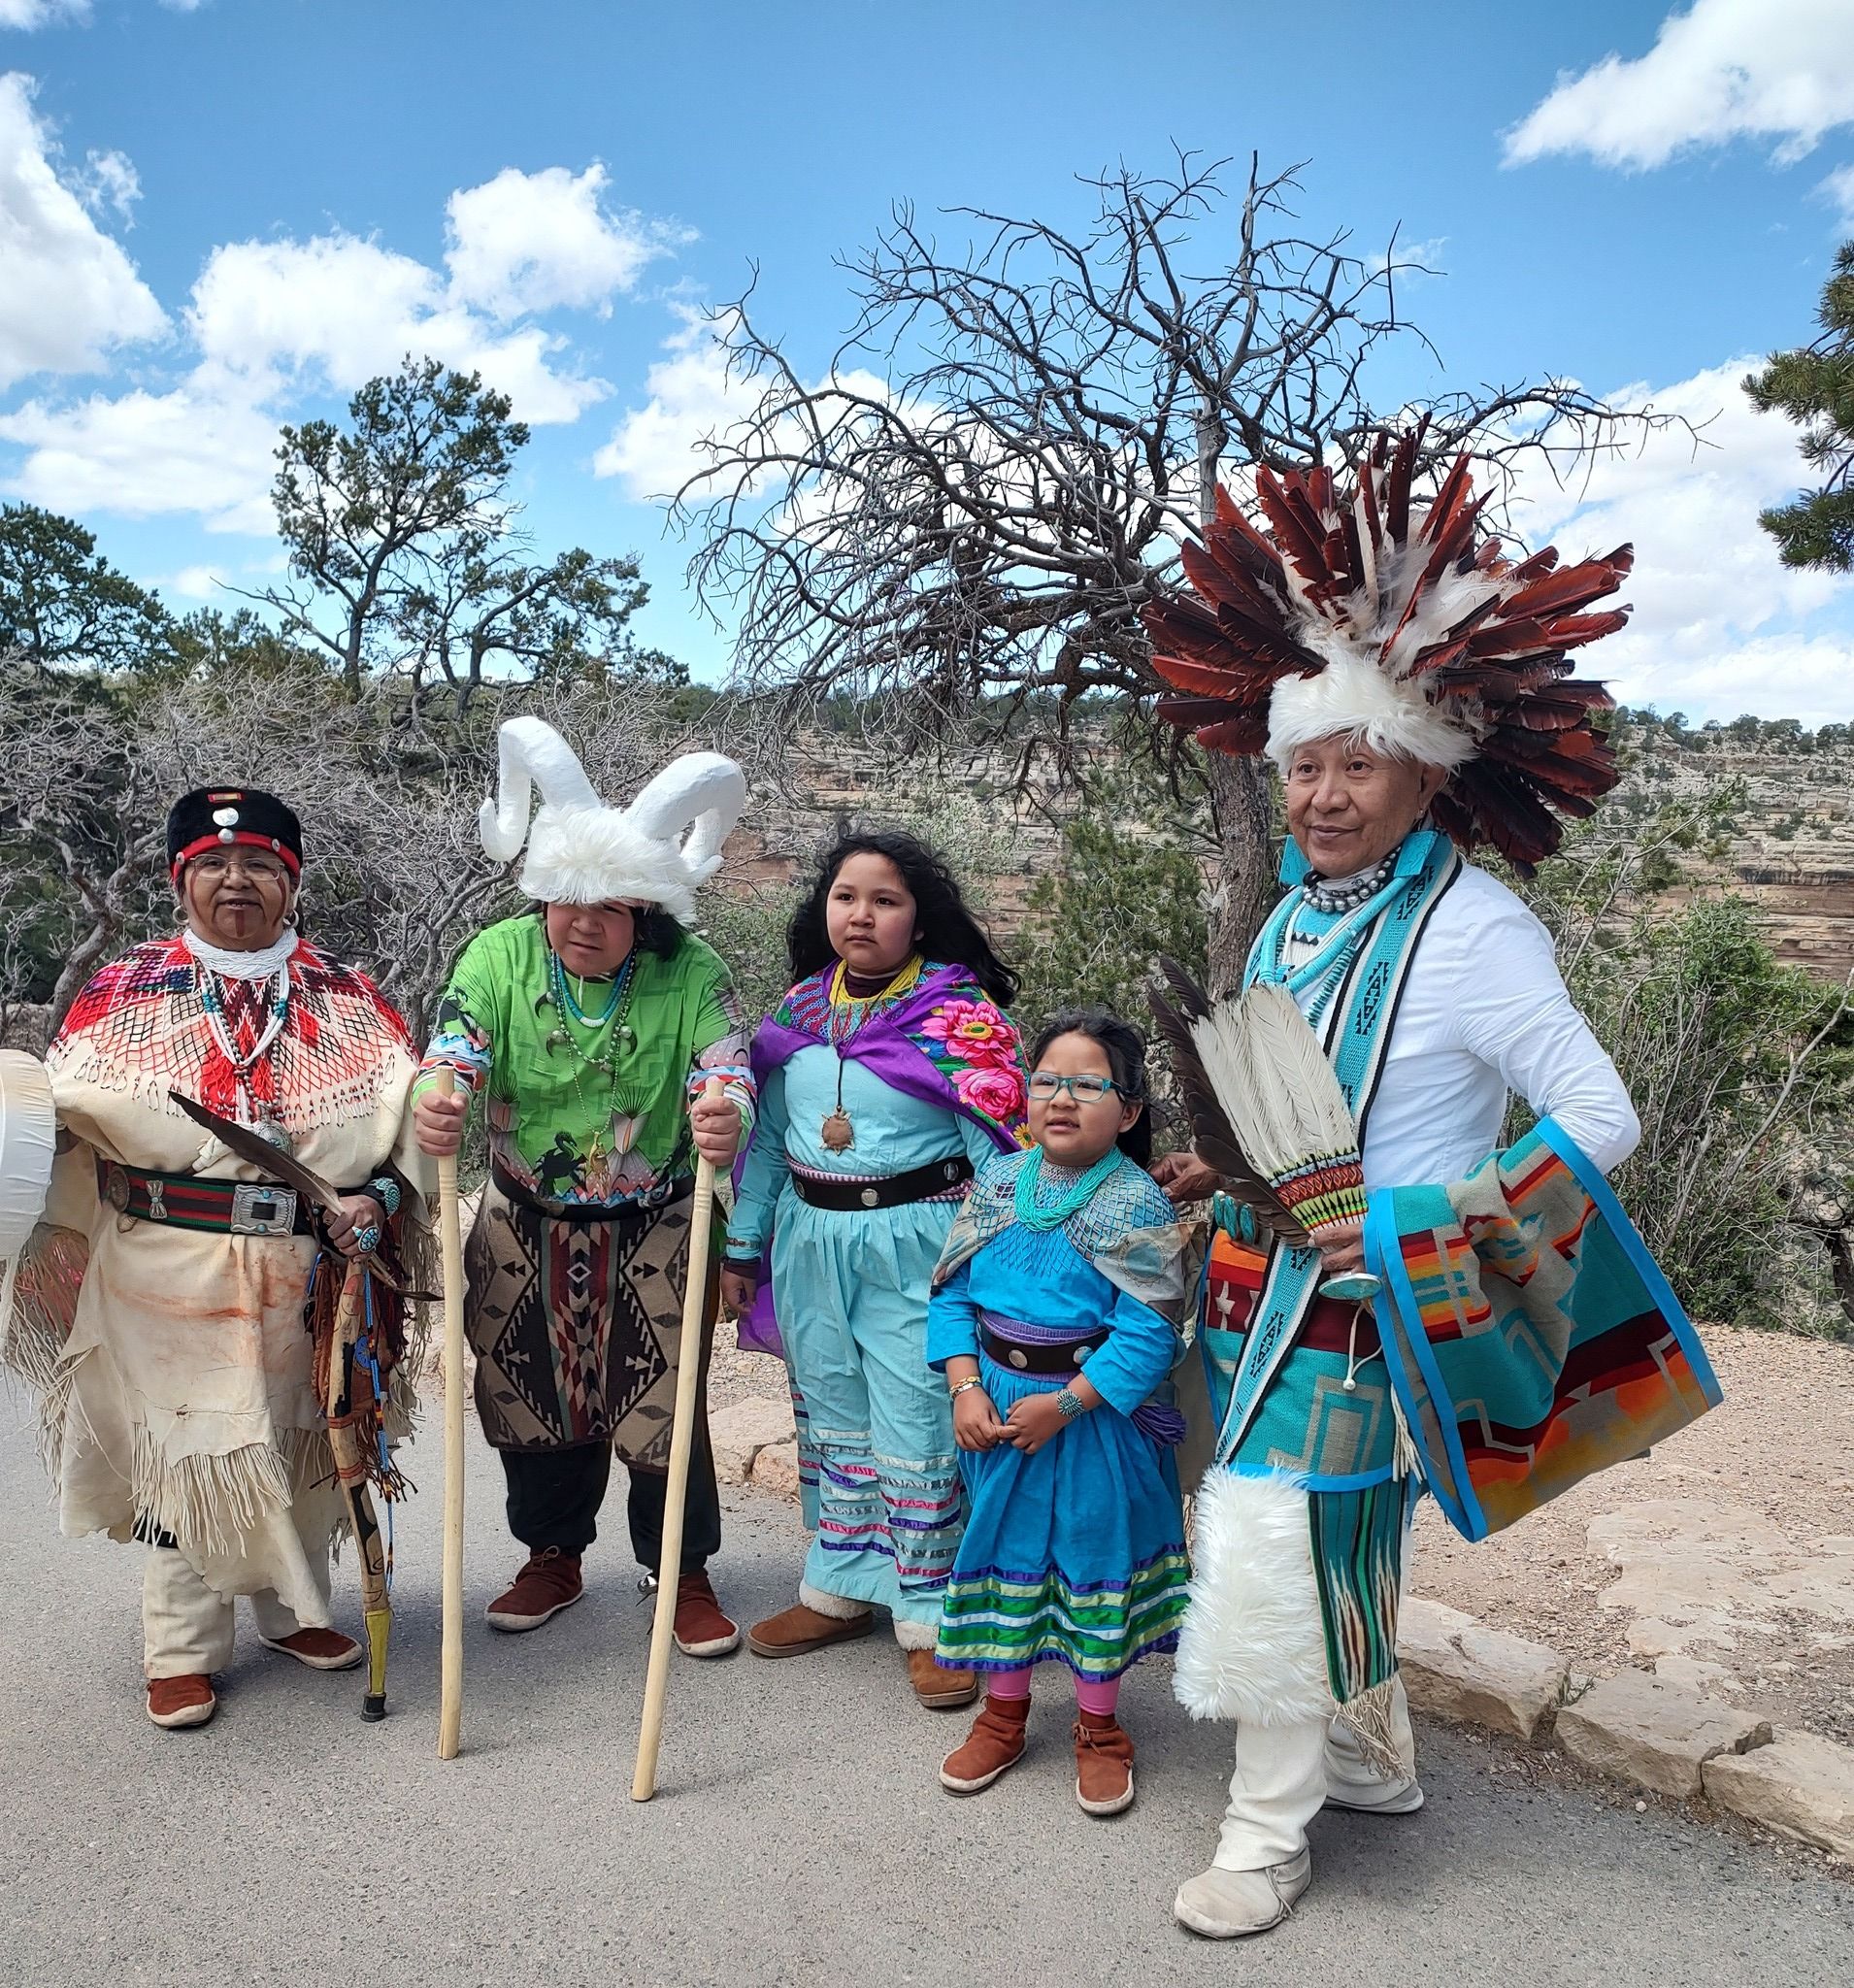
(549, 1582)
(701, 1628)
(181, 1700)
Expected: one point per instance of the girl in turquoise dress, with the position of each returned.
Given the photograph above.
(1054, 1322)
(889, 1074)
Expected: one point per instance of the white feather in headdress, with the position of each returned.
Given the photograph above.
(580, 851)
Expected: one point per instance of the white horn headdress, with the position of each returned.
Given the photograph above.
(582, 852)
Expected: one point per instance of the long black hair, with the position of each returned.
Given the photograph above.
(944, 929)
(1125, 1051)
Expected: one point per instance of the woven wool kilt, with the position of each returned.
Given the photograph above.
(577, 1325)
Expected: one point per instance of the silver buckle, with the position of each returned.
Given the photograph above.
(258, 1209)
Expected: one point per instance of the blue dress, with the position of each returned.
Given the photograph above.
(1076, 1553)
(876, 1471)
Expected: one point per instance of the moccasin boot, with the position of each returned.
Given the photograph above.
(1103, 1763)
(994, 1745)
(796, 1630)
(181, 1700)
(1228, 1904)
(321, 1649)
(938, 1689)
(701, 1628)
(548, 1582)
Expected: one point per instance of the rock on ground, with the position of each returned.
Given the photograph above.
(1457, 1670)
(1639, 1729)
(739, 1432)
(1800, 1784)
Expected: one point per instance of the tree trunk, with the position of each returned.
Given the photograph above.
(1245, 883)
(1238, 794)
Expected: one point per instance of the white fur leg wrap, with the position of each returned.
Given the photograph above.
(839, 1608)
(1252, 1646)
(915, 1636)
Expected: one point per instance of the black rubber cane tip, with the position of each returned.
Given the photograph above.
(373, 1708)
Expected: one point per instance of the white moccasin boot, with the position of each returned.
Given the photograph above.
(1227, 1904)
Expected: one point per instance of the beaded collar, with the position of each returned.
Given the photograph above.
(1336, 896)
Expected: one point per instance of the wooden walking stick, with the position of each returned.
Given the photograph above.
(450, 1236)
(688, 1382)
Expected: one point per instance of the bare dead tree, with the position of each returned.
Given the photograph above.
(395, 877)
(996, 470)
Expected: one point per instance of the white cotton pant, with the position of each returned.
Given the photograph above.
(188, 1627)
(1284, 1775)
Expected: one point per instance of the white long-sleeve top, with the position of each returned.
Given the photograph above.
(1485, 1013)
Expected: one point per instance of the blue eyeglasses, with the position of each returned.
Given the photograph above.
(1086, 1089)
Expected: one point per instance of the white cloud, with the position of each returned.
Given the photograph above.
(275, 324)
(527, 242)
(31, 13)
(338, 309)
(143, 454)
(1838, 189)
(195, 582)
(658, 448)
(68, 294)
(1779, 70)
(1720, 624)
(109, 178)
(655, 449)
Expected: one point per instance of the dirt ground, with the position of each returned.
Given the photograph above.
(1725, 1559)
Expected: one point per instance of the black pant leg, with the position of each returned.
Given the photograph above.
(701, 1507)
(554, 1494)
(702, 1501)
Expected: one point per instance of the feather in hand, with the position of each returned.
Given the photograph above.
(1187, 1022)
(1287, 1105)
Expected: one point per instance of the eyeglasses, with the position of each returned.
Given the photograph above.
(260, 868)
(1086, 1089)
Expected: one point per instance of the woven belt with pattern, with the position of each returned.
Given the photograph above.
(184, 1201)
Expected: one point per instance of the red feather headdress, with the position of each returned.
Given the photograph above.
(1373, 615)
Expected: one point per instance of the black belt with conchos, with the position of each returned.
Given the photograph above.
(896, 1190)
(184, 1201)
(1062, 1356)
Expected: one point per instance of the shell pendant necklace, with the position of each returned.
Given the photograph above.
(835, 1130)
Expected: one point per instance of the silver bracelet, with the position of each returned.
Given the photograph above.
(1070, 1405)
(960, 1387)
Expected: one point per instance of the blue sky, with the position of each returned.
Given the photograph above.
(217, 216)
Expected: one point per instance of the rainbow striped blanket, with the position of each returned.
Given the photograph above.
(1531, 1339)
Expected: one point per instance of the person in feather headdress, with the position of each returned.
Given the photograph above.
(1411, 685)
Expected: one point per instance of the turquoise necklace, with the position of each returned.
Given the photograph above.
(1033, 1214)
(619, 1005)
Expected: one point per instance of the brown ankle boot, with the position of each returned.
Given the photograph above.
(993, 1746)
(549, 1581)
(1103, 1763)
(938, 1688)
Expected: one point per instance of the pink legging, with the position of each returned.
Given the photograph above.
(1095, 1695)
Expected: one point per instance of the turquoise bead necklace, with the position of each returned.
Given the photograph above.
(1070, 1201)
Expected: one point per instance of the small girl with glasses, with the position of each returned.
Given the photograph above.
(1053, 1322)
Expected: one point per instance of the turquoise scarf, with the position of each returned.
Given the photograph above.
(1359, 970)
